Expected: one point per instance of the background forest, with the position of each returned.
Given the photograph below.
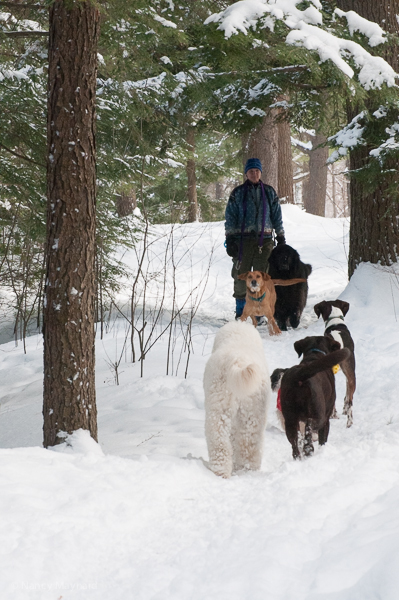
(181, 104)
(124, 126)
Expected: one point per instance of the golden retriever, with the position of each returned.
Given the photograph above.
(261, 297)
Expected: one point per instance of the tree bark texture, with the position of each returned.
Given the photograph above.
(285, 187)
(374, 226)
(69, 336)
(126, 203)
(191, 177)
(262, 143)
(315, 186)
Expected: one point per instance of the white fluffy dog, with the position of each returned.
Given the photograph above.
(237, 392)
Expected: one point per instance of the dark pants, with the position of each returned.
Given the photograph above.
(251, 261)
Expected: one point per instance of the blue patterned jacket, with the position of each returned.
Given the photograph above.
(254, 212)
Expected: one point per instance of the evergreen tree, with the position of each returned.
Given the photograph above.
(348, 71)
(22, 160)
(374, 184)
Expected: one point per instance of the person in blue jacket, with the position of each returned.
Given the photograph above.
(252, 212)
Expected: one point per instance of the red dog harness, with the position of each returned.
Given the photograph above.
(279, 400)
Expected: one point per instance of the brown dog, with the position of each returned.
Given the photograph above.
(333, 313)
(308, 391)
(275, 380)
(261, 297)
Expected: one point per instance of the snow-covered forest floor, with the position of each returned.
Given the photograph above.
(139, 516)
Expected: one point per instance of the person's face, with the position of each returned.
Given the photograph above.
(253, 175)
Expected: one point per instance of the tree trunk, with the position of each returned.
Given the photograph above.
(262, 143)
(191, 177)
(218, 191)
(315, 187)
(334, 195)
(69, 382)
(285, 188)
(374, 224)
(126, 203)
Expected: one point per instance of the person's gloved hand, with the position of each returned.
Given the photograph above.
(280, 239)
(231, 245)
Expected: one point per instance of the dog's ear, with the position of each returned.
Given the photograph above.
(265, 276)
(295, 260)
(344, 306)
(318, 308)
(299, 346)
(243, 275)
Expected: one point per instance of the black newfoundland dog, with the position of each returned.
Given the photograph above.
(285, 263)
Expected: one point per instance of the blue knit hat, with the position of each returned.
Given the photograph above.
(253, 163)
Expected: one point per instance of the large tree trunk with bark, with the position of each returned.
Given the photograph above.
(374, 227)
(262, 143)
(191, 177)
(315, 186)
(285, 186)
(69, 381)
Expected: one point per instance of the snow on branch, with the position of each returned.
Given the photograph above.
(165, 22)
(242, 15)
(373, 70)
(352, 135)
(371, 30)
(349, 137)
(307, 32)
(391, 144)
(306, 147)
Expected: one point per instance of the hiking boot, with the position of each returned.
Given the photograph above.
(240, 303)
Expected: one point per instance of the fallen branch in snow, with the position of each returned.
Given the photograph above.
(154, 435)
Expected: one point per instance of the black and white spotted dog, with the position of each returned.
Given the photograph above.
(333, 313)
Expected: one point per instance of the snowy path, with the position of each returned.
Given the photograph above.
(139, 516)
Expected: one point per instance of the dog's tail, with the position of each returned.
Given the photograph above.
(305, 371)
(244, 378)
(275, 379)
(289, 281)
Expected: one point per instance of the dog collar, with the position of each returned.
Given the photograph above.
(333, 319)
(259, 299)
(317, 350)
